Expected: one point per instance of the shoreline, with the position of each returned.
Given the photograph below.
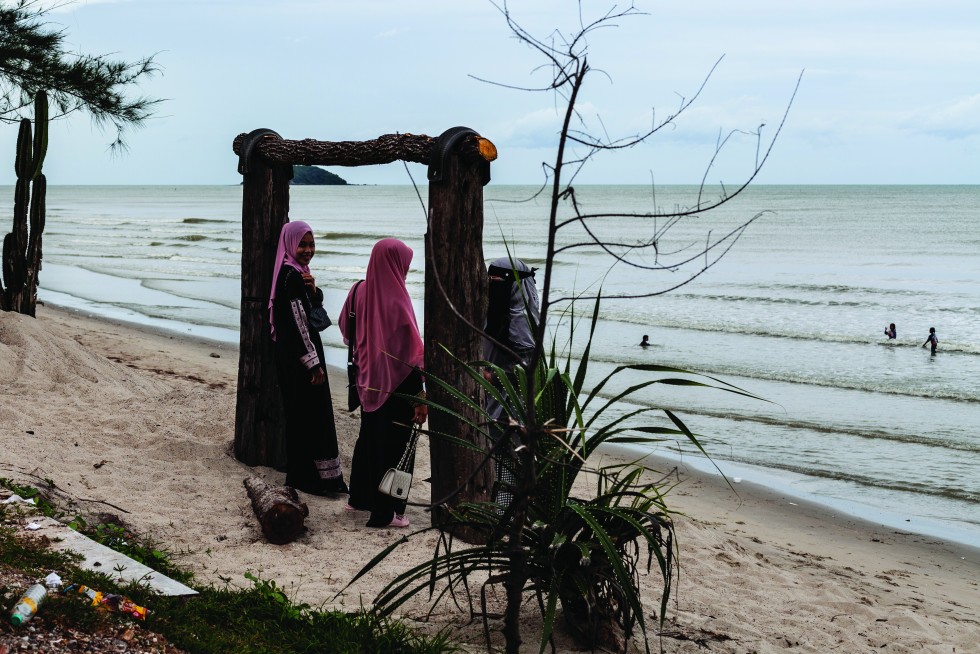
(789, 501)
(760, 571)
(784, 484)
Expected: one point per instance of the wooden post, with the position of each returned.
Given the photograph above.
(455, 277)
(259, 419)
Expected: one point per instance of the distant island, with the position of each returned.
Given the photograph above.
(313, 175)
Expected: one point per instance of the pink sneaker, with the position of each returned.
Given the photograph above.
(399, 521)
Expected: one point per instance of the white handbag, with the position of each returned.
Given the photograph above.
(397, 481)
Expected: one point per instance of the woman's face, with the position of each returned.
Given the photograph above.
(305, 249)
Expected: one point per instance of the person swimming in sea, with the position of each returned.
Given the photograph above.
(646, 341)
(890, 332)
(931, 339)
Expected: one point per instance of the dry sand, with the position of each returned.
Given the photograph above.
(759, 572)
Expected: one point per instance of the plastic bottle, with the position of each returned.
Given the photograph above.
(25, 609)
(53, 582)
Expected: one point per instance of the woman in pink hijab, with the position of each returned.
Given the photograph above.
(312, 455)
(388, 352)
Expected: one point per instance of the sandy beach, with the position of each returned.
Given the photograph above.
(139, 423)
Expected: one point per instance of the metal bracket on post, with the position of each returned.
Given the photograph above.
(248, 147)
(444, 147)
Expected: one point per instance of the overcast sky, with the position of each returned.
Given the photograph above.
(890, 92)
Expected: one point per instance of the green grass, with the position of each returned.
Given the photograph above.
(257, 619)
(260, 619)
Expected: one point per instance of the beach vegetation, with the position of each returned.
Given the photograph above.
(22, 245)
(581, 554)
(37, 71)
(41, 503)
(34, 57)
(259, 617)
(549, 547)
(105, 528)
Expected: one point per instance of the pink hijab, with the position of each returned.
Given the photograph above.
(289, 238)
(388, 341)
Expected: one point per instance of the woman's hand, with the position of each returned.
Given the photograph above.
(421, 413)
(310, 282)
(317, 376)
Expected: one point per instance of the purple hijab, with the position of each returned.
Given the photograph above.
(388, 342)
(290, 236)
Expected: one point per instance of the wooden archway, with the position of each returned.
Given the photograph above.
(455, 285)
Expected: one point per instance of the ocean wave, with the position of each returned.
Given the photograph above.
(368, 238)
(756, 299)
(934, 488)
(867, 434)
(175, 313)
(187, 293)
(958, 395)
(929, 486)
(871, 435)
(201, 221)
(67, 257)
(838, 289)
(626, 317)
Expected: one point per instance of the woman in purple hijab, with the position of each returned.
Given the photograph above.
(312, 455)
(389, 354)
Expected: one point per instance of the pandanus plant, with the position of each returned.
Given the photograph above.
(583, 554)
(22, 246)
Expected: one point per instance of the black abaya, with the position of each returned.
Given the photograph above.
(312, 454)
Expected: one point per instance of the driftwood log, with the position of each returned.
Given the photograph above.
(387, 148)
(278, 509)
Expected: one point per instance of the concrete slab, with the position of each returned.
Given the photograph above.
(99, 558)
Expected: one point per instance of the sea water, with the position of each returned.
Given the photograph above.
(793, 314)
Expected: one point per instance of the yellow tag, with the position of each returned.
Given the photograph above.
(28, 601)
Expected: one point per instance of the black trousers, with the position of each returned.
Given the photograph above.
(380, 444)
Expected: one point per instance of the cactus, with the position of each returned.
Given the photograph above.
(24, 149)
(40, 132)
(22, 246)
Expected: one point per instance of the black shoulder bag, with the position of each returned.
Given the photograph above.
(353, 399)
(317, 318)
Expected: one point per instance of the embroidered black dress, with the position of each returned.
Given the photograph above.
(312, 455)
